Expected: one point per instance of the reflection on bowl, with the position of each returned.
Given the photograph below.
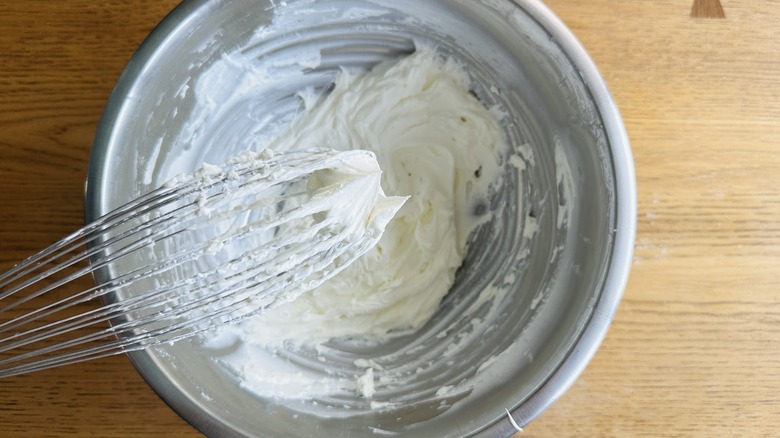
(559, 285)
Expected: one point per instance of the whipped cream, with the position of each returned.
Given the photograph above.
(438, 145)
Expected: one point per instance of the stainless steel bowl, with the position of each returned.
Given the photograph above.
(564, 284)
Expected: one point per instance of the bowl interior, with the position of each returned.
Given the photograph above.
(545, 284)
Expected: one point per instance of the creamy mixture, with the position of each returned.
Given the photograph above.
(253, 233)
(435, 143)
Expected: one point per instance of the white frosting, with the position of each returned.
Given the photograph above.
(435, 143)
(431, 138)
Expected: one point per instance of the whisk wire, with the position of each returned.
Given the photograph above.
(240, 292)
(210, 249)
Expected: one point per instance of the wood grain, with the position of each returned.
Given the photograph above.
(58, 64)
(695, 346)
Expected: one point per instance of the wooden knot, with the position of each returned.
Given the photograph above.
(707, 9)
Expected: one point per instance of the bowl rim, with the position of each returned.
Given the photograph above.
(623, 233)
(165, 389)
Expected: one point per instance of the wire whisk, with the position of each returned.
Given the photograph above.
(207, 249)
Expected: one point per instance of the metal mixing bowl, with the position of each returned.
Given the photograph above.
(563, 284)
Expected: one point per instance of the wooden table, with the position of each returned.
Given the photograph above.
(695, 346)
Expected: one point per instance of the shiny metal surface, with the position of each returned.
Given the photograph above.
(579, 186)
